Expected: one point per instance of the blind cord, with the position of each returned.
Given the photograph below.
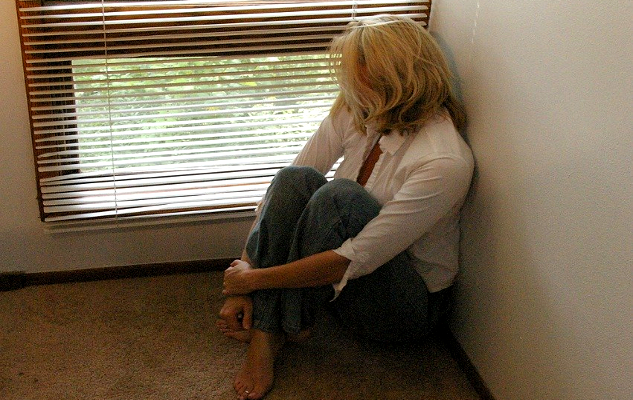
(109, 106)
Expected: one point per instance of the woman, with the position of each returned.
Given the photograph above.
(377, 244)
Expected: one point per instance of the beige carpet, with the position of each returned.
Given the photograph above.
(154, 338)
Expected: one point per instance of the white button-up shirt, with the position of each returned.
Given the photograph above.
(420, 180)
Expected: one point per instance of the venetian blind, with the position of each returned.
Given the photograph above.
(149, 108)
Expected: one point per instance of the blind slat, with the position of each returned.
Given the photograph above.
(172, 175)
(232, 124)
(148, 185)
(202, 7)
(122, 168)
(149, 116)
(190, 104)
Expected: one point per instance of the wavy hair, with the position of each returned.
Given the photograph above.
(392, 75)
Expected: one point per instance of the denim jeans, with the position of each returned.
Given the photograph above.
(304, 214)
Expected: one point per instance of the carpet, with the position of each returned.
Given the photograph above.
(155, 338)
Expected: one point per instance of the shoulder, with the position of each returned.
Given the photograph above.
(341, 124)
(341, 121)
(438, 150)
(438, 139)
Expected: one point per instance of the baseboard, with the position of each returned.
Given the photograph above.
(11, 280)
(462, 359)
(18, 280)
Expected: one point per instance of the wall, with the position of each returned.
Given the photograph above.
(544, 302)
(25, 244)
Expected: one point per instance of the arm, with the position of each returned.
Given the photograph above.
(321, 151)
(323, 148)
(430, 191)
(316, 270)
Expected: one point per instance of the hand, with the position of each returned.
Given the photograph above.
(237, 313)
(236, 280)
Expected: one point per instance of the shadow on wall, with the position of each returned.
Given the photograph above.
(457, 83)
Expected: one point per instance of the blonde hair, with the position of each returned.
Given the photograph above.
(393, 75)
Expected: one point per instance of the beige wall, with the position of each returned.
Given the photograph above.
(545, 299)
(25, 244)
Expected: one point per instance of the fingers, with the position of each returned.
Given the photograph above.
(247, 318)
(237, 312)
(234, 284)
(240, 264)
(226, 283)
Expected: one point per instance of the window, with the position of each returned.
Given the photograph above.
(151, 108)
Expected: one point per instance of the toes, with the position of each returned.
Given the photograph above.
(259, 391)
(242, 393)
(239, 386)
(246, 394)
(242, 388)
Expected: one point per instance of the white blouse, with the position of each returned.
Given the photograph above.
(420, 180)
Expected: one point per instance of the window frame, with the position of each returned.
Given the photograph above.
(65, 68)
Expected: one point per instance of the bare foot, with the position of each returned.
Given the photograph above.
(242, 335)
(255, 379)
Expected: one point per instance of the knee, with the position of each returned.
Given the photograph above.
(292, 187)
(342, 189)
(350, 200)
(293, 173)
(339, 186)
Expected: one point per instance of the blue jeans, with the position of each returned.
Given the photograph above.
(304, 214)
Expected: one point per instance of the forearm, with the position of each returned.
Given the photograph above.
(245, 257)
(312, 271)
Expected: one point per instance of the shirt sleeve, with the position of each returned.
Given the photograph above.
(323, 148)
(430, 191)
(321, 151)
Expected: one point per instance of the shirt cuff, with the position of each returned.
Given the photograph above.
(346, 250)
(338, 287)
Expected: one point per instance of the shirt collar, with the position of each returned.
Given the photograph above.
(392, 142)
(388, 143)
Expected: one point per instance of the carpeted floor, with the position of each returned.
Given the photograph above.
(154, 338)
